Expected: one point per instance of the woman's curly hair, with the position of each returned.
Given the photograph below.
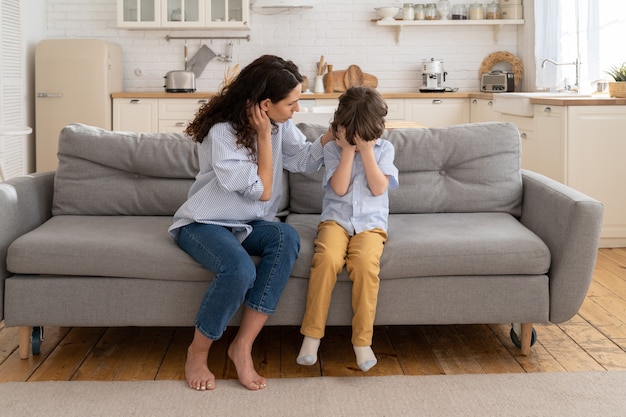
(267, 77)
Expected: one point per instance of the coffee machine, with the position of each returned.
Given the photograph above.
(433, 76)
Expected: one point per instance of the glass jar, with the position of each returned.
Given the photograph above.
(431, 11)
(408, 12)
(476, 11)
(443, 8)
(420, 13)
(494, 11)
(459, 12)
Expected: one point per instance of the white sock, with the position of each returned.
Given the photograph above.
(308, 351)
(365, 357)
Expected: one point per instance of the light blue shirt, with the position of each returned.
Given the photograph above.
(228, 188)
(359, 210)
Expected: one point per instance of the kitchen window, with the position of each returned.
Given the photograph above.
(591, 30)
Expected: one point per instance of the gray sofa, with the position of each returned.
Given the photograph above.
(472, 237)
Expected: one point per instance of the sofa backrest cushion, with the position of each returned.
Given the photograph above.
(461, 169)
(101, 172)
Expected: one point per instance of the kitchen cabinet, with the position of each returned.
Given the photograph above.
(526, 128)
(583, 147)
(154, 115)
(547, 151)
(135, 114)
(139, 14)
(183, 14)
(175, 114)
(395, 109)
(595, 163)
(430, 112)
(437, 112)
(481, 110)
(318, 111)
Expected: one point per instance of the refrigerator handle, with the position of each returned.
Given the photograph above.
(49, 95)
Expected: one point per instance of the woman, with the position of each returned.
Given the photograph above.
(245, 139)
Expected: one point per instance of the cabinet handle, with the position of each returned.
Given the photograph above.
(523, 135)
(547, 109)
(437, 101)
(490, 103)
(135, 101)
(43, 95)
(180, 124)
(203, 101)
(474, 101)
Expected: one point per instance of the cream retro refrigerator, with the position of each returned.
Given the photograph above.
(74, 79)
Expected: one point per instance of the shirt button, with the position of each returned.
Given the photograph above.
(442, 172)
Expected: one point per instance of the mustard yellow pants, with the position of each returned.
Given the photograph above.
(360, 254)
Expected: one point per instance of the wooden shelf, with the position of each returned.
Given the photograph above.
(399, 24)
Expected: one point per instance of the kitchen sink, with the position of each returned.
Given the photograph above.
(518, 104)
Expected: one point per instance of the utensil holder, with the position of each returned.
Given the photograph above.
(318, 87)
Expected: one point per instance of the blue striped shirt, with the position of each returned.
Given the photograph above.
(228, 188)
(358, 209)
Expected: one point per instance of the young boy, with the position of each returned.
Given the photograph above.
(353, 224)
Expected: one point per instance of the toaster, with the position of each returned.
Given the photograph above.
(180, 82)
(497, 82)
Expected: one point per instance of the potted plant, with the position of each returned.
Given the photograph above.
(617, 88)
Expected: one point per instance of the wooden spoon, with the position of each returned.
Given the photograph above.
(320, 66)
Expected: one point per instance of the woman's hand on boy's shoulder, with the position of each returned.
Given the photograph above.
(328, 136)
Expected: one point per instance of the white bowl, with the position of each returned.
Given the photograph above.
(387, 13)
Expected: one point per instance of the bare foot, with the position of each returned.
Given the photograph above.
(242, 358)
(197, 372)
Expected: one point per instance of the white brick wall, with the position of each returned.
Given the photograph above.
(341, 30)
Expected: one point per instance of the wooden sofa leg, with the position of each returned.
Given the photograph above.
(24, 347)
(527, 334)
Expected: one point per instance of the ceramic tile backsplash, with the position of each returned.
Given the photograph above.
(341, 30)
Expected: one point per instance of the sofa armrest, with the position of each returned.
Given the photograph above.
(25, 203)
(569, 222)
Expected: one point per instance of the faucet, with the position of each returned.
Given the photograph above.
(575, 63)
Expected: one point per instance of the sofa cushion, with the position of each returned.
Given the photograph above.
(459, 169)
(438, 244)
(117, 246)
(122, 173)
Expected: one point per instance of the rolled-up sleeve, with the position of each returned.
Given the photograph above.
(234, 169)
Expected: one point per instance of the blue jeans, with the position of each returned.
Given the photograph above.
(237, 279)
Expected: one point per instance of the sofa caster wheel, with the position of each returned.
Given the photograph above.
(516, 339)
(36, 339)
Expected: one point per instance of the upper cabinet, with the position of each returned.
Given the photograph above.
(138, 13)
(183, 14)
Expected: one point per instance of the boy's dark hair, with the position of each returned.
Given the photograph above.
(361, 112)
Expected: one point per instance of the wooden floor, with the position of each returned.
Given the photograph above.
(594, 340)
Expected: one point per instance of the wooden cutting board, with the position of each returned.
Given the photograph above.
(339, 84)
(353, 76)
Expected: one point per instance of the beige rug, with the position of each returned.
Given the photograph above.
(583, 394)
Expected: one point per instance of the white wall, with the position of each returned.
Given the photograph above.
(341, 30)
